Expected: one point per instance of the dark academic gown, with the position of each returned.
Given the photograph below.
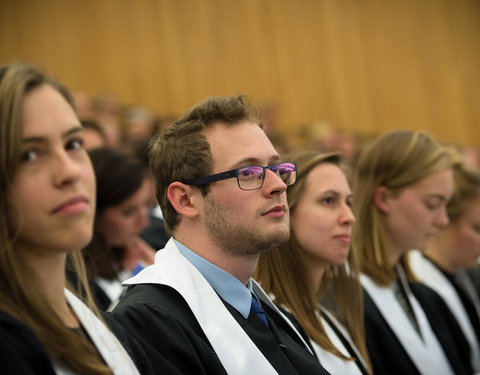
(474, 275)
(158, 316)
(388, 356)
(21, 352)
(459, 295)
(347, 343)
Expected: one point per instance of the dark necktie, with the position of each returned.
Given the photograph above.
(257, 309)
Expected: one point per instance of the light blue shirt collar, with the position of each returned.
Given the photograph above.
(228, 287)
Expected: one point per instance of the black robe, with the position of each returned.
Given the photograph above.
(387, 354)
(165, 325)
(22, 353)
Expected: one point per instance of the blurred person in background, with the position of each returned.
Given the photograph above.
(116, 251)
(94, 135)
(138, 125)
(155, 233)
(442, 266)
(402, 182)
(108, 113)
(83, 104)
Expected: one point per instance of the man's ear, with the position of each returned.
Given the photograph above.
(380, 199)
(180, 196)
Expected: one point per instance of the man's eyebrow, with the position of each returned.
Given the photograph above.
(274, 159)
(254, 161)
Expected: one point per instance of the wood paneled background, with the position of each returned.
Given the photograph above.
(366, 65)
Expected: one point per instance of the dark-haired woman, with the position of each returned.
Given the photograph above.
(117, 252)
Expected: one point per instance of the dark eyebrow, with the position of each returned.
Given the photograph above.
(254, 161)
(274, 160)
(68, 133)
(74, 130)
(336, 193)
(330, 191)
(33, 140)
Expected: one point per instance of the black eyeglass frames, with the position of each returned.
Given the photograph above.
(251, 177)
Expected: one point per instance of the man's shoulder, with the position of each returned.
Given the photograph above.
(161, 320)
(157, 296)
(160, 304)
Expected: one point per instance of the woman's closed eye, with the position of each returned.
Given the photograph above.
(434, 204)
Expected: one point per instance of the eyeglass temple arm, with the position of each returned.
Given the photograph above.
(209, 179)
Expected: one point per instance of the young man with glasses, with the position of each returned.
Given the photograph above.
(221, 187)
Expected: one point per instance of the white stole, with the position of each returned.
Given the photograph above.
(435, 279)
(426, 354)
(112, 352)
(345, 333)
(238, 354)
(330, 361)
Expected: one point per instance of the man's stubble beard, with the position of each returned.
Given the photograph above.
(237, 239)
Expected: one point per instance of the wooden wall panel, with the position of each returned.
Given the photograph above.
(366, 65)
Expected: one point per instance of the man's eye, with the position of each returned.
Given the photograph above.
(250, 172)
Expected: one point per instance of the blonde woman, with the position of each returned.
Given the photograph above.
(403, 181)
(47, 198)
(442, 265)
(317, 257)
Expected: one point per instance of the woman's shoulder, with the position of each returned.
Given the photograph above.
(22, 352)
(12, 328)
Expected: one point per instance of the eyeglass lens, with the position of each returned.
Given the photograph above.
(252, 177)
